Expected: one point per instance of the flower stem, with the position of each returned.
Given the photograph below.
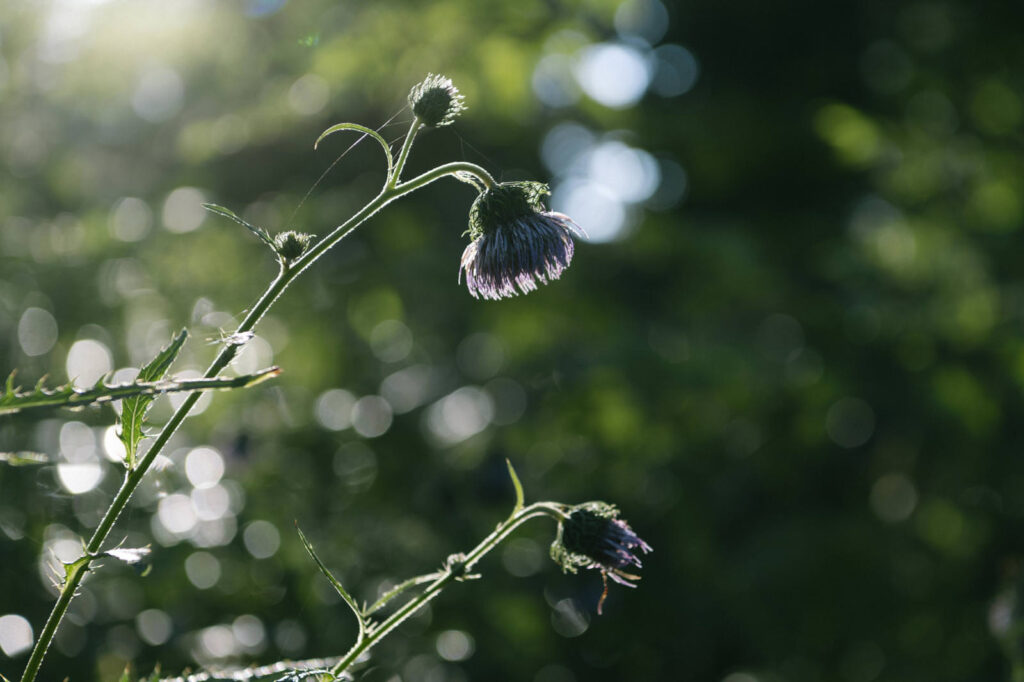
(407, 610)
(394, 181)
(453, 168)
(285, 276)
(396, 173)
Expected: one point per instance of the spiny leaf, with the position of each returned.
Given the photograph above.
(12, 401)
(260, 233)
(516, 484)
(362, 129)
(134, 410)
(68, 396)
(159, 365)
(16, 459)
(342, 592)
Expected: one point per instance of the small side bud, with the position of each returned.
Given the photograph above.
(456, 565)
(290, 245)
(436, 101)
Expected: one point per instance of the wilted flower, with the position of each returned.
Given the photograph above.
(436, 101)
(595, 537)
(516, 241)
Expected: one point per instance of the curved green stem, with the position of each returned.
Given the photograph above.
(549, 509)
(394, 181)
(453, 168)
(285, 276)
(365, 131)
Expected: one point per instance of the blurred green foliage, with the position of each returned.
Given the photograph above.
(800, 382)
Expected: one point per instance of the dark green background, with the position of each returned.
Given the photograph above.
(801, 384)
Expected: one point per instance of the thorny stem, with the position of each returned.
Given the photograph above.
(285, 276)
(309, 665)
(108, 393)
(451, 573)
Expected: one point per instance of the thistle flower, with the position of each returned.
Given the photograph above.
(516, 242)
(595, 537)
(436, 101)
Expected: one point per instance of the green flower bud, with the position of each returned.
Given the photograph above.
(436, 101)
(290, 245)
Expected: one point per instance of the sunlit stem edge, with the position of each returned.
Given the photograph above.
(285, 276)
(398, 590)
(403, 154)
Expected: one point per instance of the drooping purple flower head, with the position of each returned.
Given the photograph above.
(516, 243)
(595, 537)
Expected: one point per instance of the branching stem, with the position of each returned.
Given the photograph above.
(396, 173)
(392, 190)
(451, 573)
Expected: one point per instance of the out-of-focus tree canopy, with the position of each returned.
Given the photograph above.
(790, 351)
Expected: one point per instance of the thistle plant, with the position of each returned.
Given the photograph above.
(515, 245)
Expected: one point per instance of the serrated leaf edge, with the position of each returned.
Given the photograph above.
(224, 212)
(342, 592)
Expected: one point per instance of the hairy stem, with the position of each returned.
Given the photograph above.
(277, 287)
(453, 168)
(550, 509)
(396, 173)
